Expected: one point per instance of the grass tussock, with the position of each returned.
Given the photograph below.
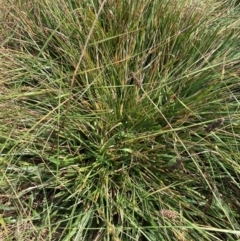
(119, 120)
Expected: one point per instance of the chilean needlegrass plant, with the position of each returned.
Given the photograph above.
(119, 120)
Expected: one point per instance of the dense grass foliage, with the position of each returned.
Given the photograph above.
(119, 120)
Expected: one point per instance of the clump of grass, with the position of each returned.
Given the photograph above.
(106, 113)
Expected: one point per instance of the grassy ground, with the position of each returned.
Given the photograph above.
(119, 120)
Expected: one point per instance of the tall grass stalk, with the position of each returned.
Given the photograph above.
(119, 120)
